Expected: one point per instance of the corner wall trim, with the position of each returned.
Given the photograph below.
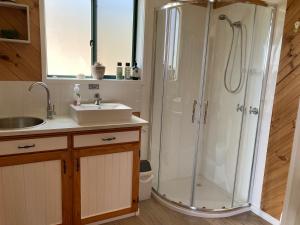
(264, 215)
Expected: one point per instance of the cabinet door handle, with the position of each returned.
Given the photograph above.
(65, 166)
(26, 146)
(109, 139)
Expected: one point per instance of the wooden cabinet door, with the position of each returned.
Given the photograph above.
(107, 182)
(36, 189)
(31, 194)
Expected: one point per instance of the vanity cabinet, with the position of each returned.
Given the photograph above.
(71, 178)
(33, 185)
(106, 175)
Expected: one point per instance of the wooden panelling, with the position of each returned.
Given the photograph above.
(284, 116)
(14, 18)
(23, 61)
(229, 2)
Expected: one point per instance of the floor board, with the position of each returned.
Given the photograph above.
(152, 213)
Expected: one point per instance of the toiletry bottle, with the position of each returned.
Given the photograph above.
(119, 71)
(77, 97)
(127, 71)
(135, 72)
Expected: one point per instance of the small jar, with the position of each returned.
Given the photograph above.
(98, 71)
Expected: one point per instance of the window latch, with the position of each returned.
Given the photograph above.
(91, 43)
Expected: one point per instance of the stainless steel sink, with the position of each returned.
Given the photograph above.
(19, 122)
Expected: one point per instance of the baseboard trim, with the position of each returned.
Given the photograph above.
(116, 218)
(264, 215)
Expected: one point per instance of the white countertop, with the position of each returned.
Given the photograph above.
(66, 124)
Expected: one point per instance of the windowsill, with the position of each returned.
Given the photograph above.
(86, 80)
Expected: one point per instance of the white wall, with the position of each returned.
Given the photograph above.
(16, 100)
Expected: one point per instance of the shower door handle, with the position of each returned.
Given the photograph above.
(194, 111)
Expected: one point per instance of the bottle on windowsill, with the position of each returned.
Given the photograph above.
(127, 71)
(135, 72)
(120, 71)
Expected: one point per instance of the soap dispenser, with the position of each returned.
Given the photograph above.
(77, 97)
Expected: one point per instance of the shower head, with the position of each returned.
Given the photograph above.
(224, 17)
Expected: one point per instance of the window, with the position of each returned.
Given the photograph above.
(87, 31)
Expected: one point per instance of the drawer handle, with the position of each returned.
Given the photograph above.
(26, 146)
(109, 139)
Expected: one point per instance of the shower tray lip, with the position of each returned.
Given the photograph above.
(199, 212)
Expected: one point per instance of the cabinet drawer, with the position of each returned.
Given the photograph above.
(33, 145)
(89, 140)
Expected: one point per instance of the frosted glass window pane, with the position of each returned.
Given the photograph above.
(115, 30)
(68, 33)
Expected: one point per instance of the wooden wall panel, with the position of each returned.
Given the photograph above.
(284, 116)
(23, 61)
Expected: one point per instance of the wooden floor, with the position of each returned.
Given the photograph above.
(152, 213)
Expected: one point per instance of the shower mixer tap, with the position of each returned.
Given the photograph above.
(253, 110)
(240, 108)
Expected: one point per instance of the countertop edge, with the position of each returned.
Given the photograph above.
(70, 126)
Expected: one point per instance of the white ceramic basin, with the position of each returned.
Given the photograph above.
(106, 112)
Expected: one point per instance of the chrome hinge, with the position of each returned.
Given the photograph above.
(194, 110)
(240, 108)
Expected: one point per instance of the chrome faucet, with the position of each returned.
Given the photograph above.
(98, 99)
(50, 107)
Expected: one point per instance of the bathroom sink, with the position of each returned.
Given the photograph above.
(103, 113)
(19, 122)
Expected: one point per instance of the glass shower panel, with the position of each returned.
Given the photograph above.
(261, 34)
(183, 57)
(226, 82)
(160, 36)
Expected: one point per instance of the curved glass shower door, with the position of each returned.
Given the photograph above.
(178, 84)
(224, 97)
(209, 81)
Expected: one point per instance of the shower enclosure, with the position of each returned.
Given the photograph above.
(210, 68)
